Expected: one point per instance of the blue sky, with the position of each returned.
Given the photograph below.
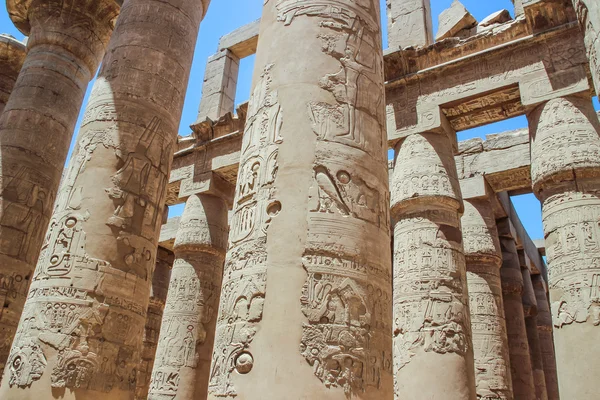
(226, 15)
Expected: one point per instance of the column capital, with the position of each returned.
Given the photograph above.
(12, 52)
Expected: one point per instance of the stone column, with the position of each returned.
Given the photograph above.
(12, 56)
(67, 40)
(187, 335)
(158, 297)
(565, 171)
(544, 326)
(535, 350)
(219, 86)
(409, 23)
(512, 290)
(306, 298)
(433, 350)
(490, 343)
(82, 328)
(588, 13)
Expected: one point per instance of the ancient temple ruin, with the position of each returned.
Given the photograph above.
(307, 264)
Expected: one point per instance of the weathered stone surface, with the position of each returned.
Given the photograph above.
(453, 20)
(311, 304)
(182, 366)
(544, 326)
(565, 170)
(67, 40)
(499, 17)
(220, 83)
(154, 315)
(490, 342)
(409, 23)
(512, 289)
(82, 328)
(12, 56)
(588, 13)
(432, 328)
(243, 41)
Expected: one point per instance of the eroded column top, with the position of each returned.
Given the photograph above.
(12, 52)
(18, 11)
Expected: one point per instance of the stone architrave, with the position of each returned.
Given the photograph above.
(533, 339)
(219, 86)
(433, 350)
(588, 13)
(12, 56)
(187, 334)
(565, 172)
(544, 326)
(409, 23)
(82, 327)
(158, 297)
(306, 295)
(490, 342)
(512, 290)
(67, 40)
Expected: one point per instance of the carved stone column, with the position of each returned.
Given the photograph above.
(512, 290)
(12, 56)
(565, 171)
(306, 298)
(544, 326)
(187, 335)
(433, 350)
(82, 328)
(67, 40)
(535, 350)
(490, 343)
(588, 13)
(158, 297)
(409, 23)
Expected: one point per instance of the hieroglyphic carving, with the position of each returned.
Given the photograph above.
(342, 311)
(573, 251)
(588, 13)
(431, 310)
(244, 280)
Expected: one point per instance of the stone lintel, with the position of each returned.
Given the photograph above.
(243, 41)
(491, 85)
(546, 14)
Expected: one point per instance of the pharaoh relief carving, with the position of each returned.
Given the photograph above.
(350, 34)
(573, 251)
(244, 280)
(344, 316)
(432, 311)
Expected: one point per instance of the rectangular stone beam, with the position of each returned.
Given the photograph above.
(503, 158)
(243, 41)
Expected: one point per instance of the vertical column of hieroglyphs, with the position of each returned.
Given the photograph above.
(67, 39)
(14, 285)
(490, 343)
(83, 322)
(588, 13)
(306, 294)
(12, 56)
(154, 315)
(409, 23)
(187, 334)
(433, 351)
(530, 310)
(512, 291)
(544, 326)
(565, 171)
